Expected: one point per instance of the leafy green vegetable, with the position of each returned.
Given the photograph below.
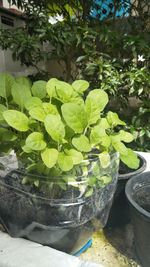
(17, 120)
(39, 89)
(35, 141)
(49, 157)
(75, 117)
(55, 127)
(81, 143)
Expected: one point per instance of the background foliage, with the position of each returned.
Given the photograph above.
(109, 50)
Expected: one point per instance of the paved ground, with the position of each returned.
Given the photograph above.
(113, 248)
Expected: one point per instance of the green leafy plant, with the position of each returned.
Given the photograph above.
(54, 126)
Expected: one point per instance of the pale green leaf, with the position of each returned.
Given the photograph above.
(65, 162)
(95, 103)
(125, 136)
(80, 86)
(23, 81)
(99, 136)
(17, 120)
(35, 141)
(104, 123)
(33, 102)
(6, 82)
(120, 147)
(75, 116)
(26, 149)
(49, 157)
(130, 159)
(55, 127)
(51, 87)
(2, 109)
(64, 91)
(21, 93)
(38, 113)
(77, 156)
(113, 119)
(104, 159)
(81, 143)
(49, 108)
(39, 89)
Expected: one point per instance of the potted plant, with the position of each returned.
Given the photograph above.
(67, 151)
(138, 194)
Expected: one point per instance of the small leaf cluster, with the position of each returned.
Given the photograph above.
(55, 126)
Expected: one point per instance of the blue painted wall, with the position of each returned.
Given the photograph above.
(106, 8)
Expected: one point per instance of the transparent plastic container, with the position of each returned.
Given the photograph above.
(57, 214)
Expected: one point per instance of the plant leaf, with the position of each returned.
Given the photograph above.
(130, 159)
(77, 156)
(39, 89)
(81, 143)
(55, 127)
(35, 141)
(49, 157)
(38, 114)
(125, 136)
(80, 86)
(51, 87)
(95, 103)
(17, 120)
(2, 109)
(75, 116)
(21, 93)
(104, 159)
(49, 108)
(23, 81)
(33, 102)
(113, 119)
(99, 136)
(6, 82)
(65, 162)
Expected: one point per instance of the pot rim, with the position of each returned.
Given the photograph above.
(129, 195)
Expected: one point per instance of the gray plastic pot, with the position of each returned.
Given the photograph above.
(119, 213)
(138, 194)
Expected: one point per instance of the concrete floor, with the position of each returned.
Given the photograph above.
(113, 248)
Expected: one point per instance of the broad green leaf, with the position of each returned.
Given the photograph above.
(35, 141)
(95, 103)
(2, 109)
(104, 159)
(77, 156)
(21, 93)
(99, 136)
(49, 109)
(51, 87)
(37, 113)
(64, 91)
(55, 127)
(81, 143)
(26, 149)
(6, 82)
(130, 159)
(113, 119)
(120, 147)
(80, 86)
(75, 116)
(125, 136)
(104, 123)
(89, 192)
(49, 157)
(39, 89)
(17, 120)
(33, 102)
(23, 81)
(65, 162)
